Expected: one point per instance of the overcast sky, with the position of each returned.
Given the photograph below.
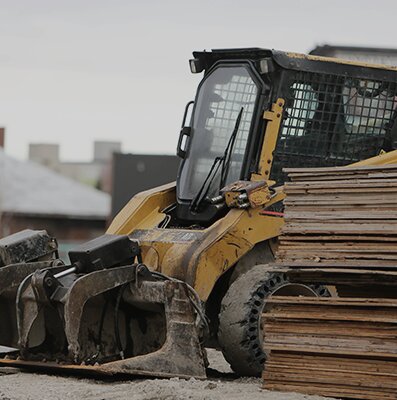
(72, 71)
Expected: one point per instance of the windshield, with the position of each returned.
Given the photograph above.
(222, 95)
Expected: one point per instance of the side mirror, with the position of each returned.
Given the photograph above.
(184, 134)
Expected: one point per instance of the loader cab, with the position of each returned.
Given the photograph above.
(335, 113)
(216, 139)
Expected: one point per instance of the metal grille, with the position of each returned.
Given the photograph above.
(239, 92)
(333, 120)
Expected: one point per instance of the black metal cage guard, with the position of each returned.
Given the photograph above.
(332, 120)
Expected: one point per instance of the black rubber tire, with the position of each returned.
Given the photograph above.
(240, 332)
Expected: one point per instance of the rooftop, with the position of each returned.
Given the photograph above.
(29, 188)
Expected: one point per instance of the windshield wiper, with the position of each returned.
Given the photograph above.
(228, 151)
(223, 161)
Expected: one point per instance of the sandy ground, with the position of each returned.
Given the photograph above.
(221, 385)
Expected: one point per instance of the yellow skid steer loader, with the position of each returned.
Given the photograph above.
(184, 266)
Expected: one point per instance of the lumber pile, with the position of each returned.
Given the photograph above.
(340, 217)
(340, 347)
(340, 230)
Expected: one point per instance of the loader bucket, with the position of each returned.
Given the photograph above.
(120, 320)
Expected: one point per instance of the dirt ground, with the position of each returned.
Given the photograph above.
(221, 385)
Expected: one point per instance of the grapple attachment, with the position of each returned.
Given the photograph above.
(107, 313)
(21, 254)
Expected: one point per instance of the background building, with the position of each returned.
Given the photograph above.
(94, 173)
(33, 196)
(134, 173)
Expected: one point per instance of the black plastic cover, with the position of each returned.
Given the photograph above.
(106, 251)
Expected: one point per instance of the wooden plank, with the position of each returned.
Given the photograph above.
(291, 215)
(332, 301)
(372, 183)
(323, 390)
(335, 345)
(348, 169)
(343, 228)
(343, 276)
(337, 238)
(381, 265)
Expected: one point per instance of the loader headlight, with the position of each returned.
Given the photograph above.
(265, 66)
(196, 65)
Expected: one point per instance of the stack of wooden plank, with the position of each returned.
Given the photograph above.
(340, 347)
(340, 230)
(340, 217)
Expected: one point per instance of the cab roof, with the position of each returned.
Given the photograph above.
(299, 62)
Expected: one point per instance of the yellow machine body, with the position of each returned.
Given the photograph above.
(199, 257)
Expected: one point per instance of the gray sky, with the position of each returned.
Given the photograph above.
(75, 71)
